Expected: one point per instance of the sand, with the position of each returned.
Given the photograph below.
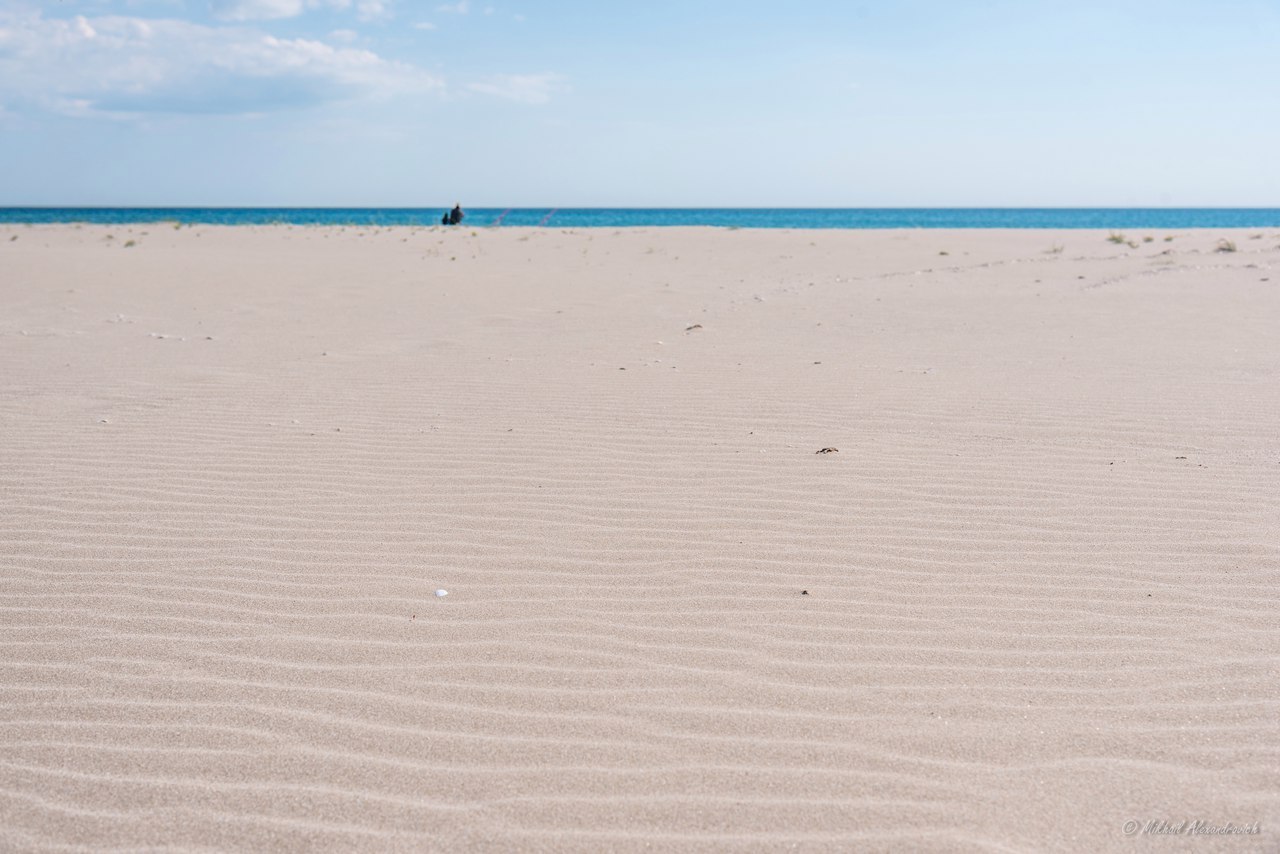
(1032, 596)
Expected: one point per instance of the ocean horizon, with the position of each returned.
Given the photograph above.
(821, 218)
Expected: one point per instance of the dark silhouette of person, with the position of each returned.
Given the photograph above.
(456, 215)
(444, 220)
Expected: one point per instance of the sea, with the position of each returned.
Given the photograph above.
(1111, 218)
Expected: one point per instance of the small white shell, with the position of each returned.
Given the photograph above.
(442, 593)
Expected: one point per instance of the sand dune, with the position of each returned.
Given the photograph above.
(1031, 597)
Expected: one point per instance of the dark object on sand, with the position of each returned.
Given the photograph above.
(828, 451)
(454, 216)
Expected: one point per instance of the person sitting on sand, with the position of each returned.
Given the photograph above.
(456, 215)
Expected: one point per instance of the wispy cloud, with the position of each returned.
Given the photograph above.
(124, 66)
(525, 88)
(424, 25)
(255, 10)
(459, 8)
(373, 10)
(265, 10)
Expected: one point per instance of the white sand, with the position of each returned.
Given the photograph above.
(1042, 569)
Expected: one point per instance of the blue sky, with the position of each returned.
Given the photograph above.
(539, 102)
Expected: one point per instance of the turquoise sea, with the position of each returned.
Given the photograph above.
(1117, 218)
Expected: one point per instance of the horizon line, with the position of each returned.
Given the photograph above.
(650, 208)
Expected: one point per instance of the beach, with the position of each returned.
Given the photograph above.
(1026, 600)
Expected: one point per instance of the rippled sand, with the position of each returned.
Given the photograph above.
(1032, 595)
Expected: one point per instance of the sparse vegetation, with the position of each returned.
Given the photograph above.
(1225, 246)
(1168, 238)
(1132, 244)
(1255, 236)
(1054, 250)
(944, 252)
(1116, 237)
(1148, 239)
(129, 243)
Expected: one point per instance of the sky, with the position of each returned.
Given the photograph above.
(583, 103)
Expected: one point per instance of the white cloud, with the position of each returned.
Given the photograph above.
(255, 10)
(265, 10)
(120, 66)
(373, 10)
(525, 88)
(459, 8)
(424, 25)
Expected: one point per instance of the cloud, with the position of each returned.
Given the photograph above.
(265, 10)
(373, 10)
(120, 66)
(255, 10)
(525, 88)
(459, 8)
(424, 25)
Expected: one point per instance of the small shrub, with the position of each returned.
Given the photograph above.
(1116, 237)
(1148, 239)
(130, 243)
